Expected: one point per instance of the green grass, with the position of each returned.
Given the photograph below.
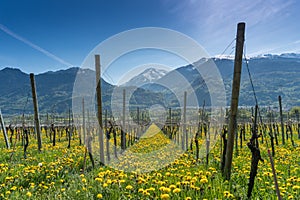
(56, 173)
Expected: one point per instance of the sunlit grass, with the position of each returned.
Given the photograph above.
(56, 173)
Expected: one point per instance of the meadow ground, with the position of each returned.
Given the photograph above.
(56, 173)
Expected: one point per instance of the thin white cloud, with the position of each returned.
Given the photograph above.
(297, 42)
(216, 15)
(213, 22)
(34, 46)
(292, 47)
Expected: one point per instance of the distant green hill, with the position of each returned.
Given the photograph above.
(54, 90)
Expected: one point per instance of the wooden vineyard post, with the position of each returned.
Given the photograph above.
(298, 129)
(274, 176)
(254, 129)
(170, 125)
(83, 121)
(241, 136)
(236, 138)
(289, 127)
(203, 124)
(184, 136)
(47, 124)
(298, 124)
(69, 130)
(234, 98)
(272, 140)
(4, 131)
(107, 137)
(123, 133)
(54, 134)
(281, 120)
(138, 123)
(36, 112)
(26, 142)
(275, 134)
(207, 147)
(99, 107)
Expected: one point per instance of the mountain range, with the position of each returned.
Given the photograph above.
(272, 75)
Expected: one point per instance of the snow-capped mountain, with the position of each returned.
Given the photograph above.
(150, 75)
(290, 55)
(283, 55)
(220, 57)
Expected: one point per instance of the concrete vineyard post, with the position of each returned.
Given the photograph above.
(281, 120)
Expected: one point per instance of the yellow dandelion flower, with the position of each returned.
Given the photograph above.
(28, 194)
(151, 189)
(204, 180)
(296, 187)
(172, 187)
(226, 193)
(122, 181)
(129, 187)
(99, 196)
(140, 190)
(162, 188)
(165, 196)
(13, 188)
(167, 190)
(176, 190)
(98, 179)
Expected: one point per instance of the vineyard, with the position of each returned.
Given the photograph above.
(59, 172)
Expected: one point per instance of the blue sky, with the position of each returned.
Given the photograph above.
(41, 35)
